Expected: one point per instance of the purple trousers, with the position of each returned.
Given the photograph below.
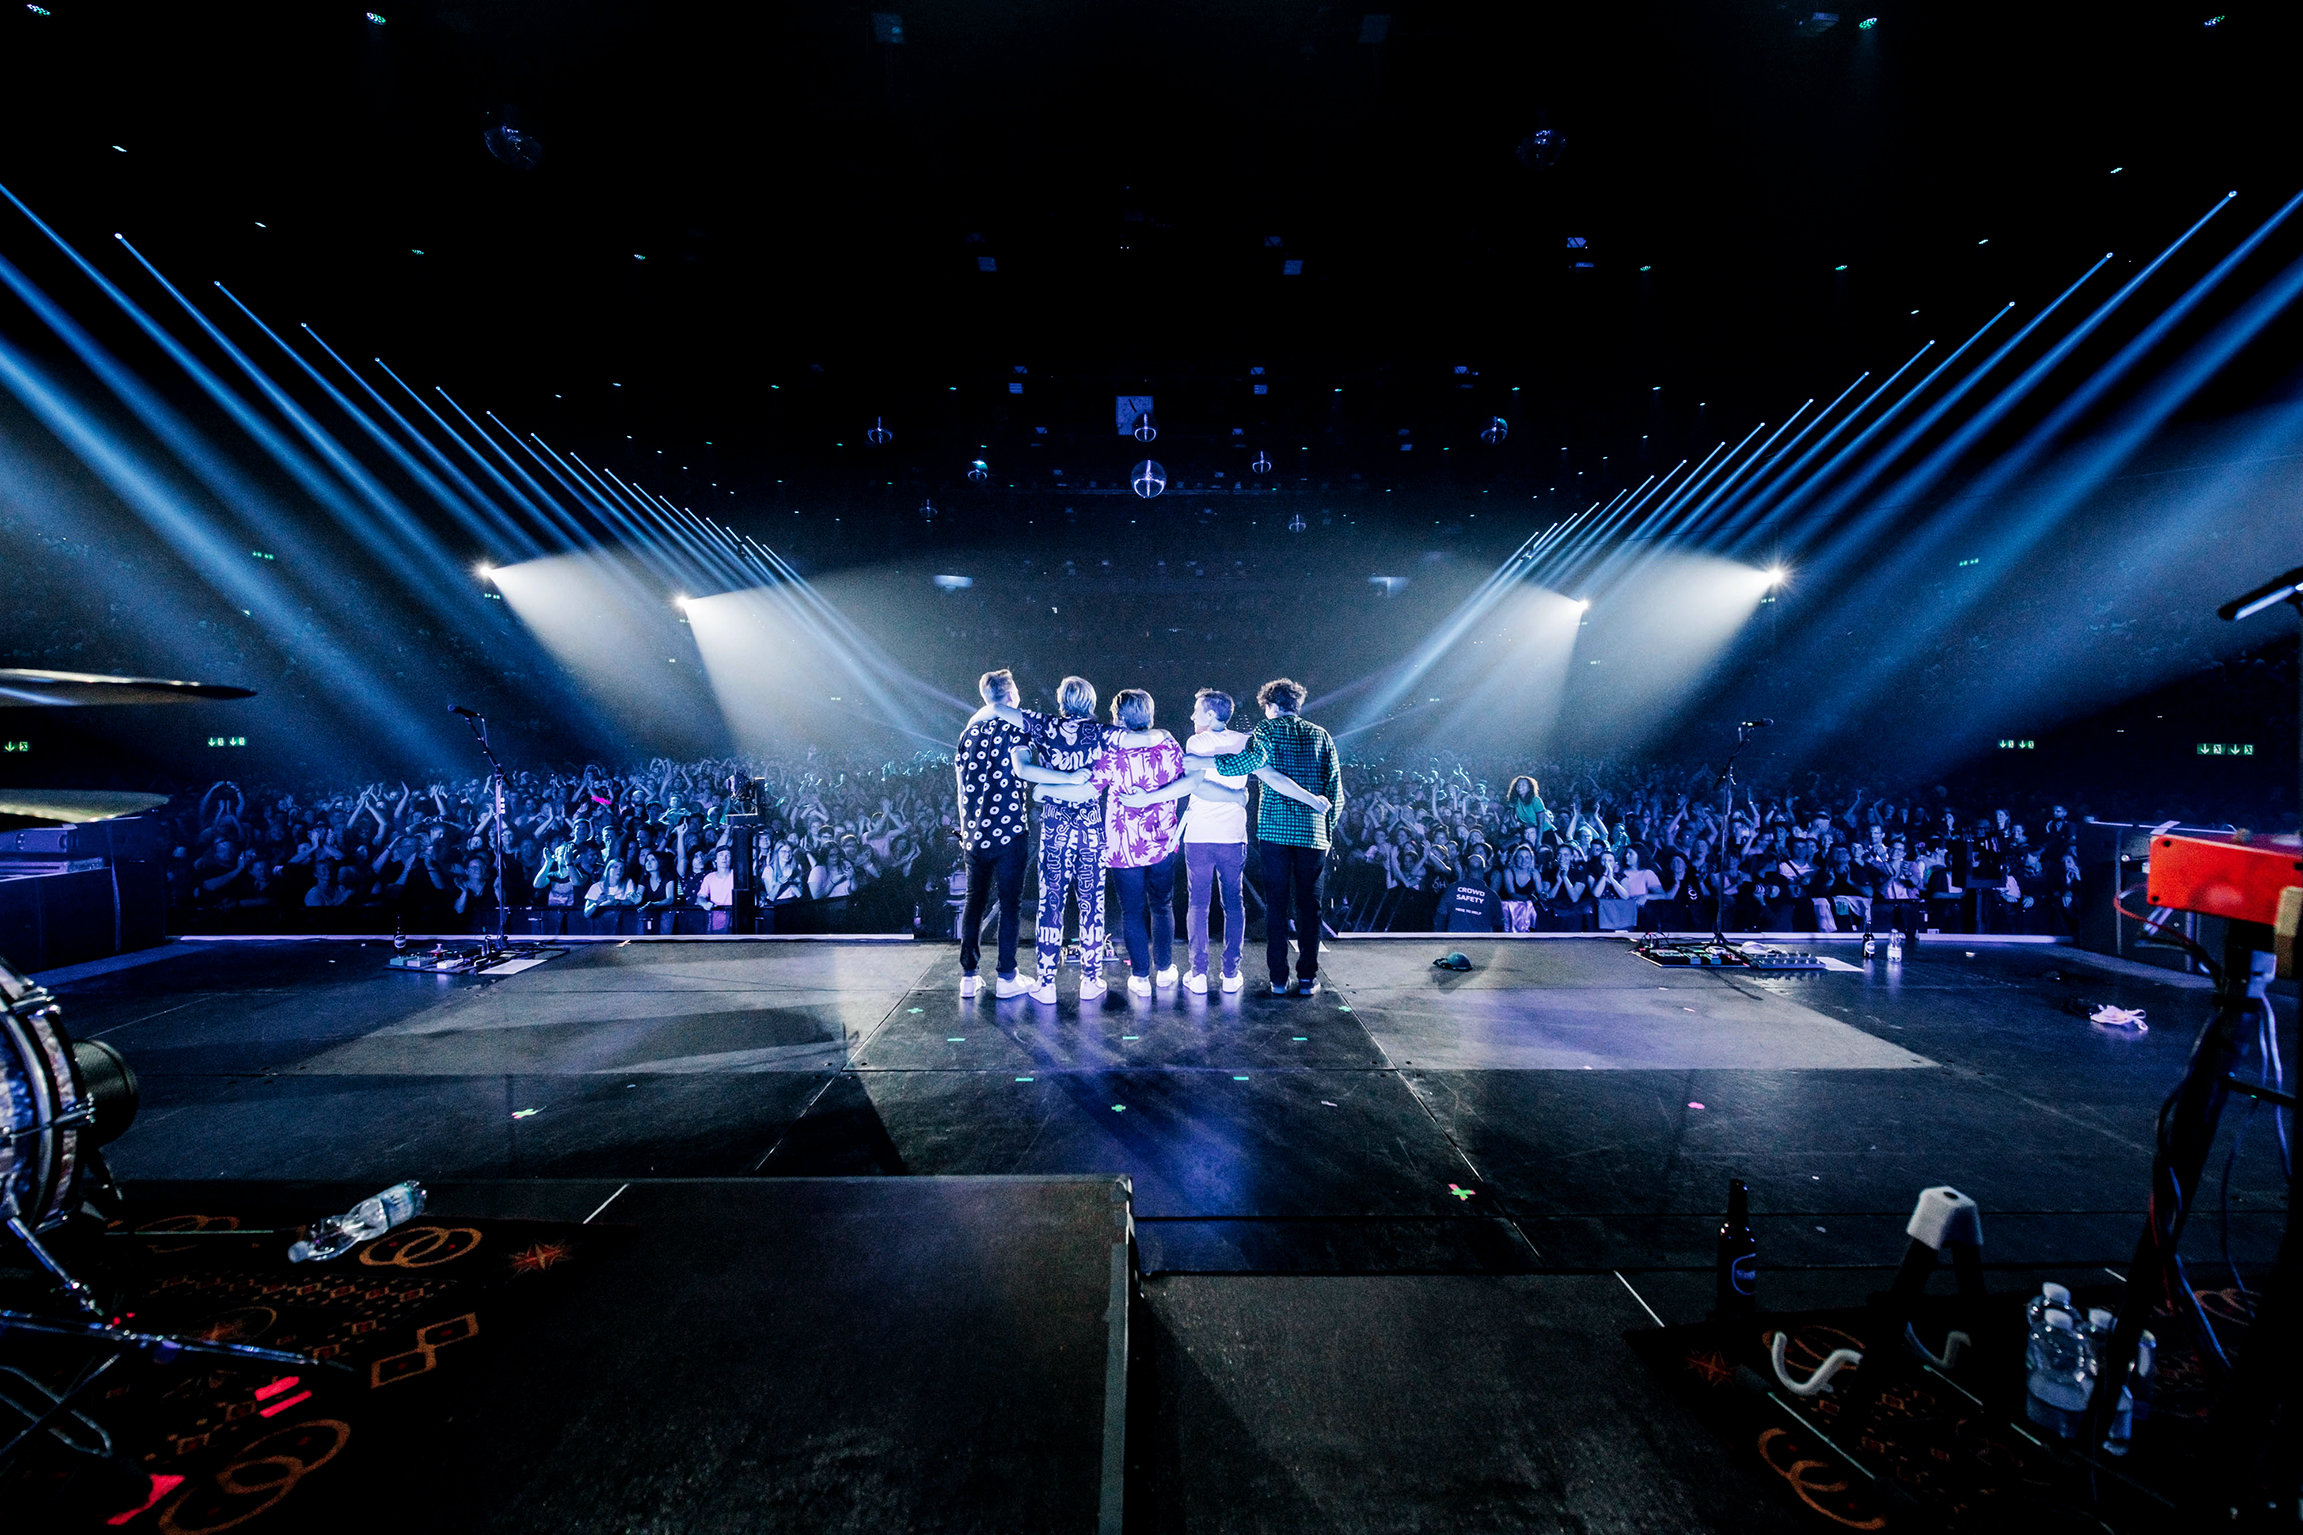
(1214, 867)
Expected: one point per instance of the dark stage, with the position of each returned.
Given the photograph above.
(1389, 1238)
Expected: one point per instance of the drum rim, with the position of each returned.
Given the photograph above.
(39, 1045)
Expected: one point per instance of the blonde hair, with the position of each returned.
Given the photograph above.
(1077, 695)
(1132, 709)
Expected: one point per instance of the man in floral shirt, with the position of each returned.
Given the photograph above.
(995, 831)
(1140, 841)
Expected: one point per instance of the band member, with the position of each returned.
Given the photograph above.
(995, 830)
(1295, 837)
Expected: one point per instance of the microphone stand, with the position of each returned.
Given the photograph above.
(1743, 734)
(479, 724)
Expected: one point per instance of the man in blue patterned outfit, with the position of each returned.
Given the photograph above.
(1064, 746)
(995, 832)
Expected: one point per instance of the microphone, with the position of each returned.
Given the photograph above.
(470, 714)
(1747, 724)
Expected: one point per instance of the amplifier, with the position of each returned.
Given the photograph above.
(2236, 877)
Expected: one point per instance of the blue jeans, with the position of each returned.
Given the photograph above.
(997, 872)
(1157, 882)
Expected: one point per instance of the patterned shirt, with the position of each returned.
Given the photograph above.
(993, 809)
(1066, 742)
(1135, 838)
(1306, 754)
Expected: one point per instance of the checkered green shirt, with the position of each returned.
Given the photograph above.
(1304, 752)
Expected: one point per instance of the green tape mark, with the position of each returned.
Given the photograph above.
(1119, 1108)
(1023, 1079)
(955, 1039)
(1303, 1039)
(1131, 1036)
(914, 1010)
(1239, 1079)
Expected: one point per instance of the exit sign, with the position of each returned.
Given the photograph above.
(15, 746)
(2011, 744)
(2226, 748)
(227, 740)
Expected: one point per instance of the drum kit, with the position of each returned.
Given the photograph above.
(61, 1100)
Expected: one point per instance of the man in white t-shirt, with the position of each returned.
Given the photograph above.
(1215, 839)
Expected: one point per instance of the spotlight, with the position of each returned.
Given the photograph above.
(1583, 604)
(484, 571)
(1777, 575)
(682, 603)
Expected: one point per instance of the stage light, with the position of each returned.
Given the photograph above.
(374, 19)
(1583, 604)
(484, 571)
(1777, 575)
(979, 471)
(1867, 23)
(682, 602)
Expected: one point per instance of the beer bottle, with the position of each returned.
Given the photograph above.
(1738, 1255)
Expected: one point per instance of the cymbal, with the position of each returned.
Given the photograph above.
(73, 806)
(20, 687)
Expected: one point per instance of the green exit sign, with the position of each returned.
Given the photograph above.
(15, 746)
(2011, 744)
(2226, 748)
(227, 740)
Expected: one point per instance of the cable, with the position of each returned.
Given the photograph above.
(2151, 926)
(2237, 1140)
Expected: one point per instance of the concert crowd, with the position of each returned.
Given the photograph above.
(1423, 842)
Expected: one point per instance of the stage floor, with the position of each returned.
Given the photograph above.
(1458, 1188)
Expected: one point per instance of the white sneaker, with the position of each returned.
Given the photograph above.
(1196, 983)
(1009, 986)
(1234, 981)
(967, 988)
(1045, 993)
(1164, 977)
(1091, 991)
(1140, 984)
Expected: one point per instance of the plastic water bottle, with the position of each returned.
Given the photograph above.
(1895, 948)
(2134, 1398)
(2057, 1396)
(2053, 1297)
(336, 1235)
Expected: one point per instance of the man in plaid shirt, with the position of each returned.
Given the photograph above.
(1294, 837)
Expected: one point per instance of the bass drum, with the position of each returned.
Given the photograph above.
(59, 1101)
